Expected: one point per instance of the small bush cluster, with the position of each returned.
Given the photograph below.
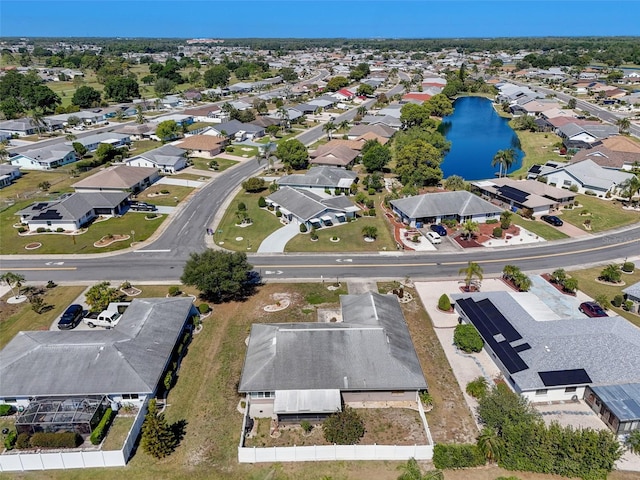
(497, 232)
(344, 428)
(454, 456)
(617, 301)
(102, 428)
(55, 440)
(477, 388)
(444, 303)
(6, 409)
(174, 291)
(467, 338)
(22, 441)
(628, 267)
(303, 228)
(262, 202)
(492, 221)
(204, 308)
(41, 230)
(10, 440)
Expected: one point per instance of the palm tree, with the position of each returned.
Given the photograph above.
(505, 219)
(4, 153)
(624, 124)
(471, 270)
(411, 471)
(490, 444)
(70, 137)
(361, 111)
(329, 127)
(37, 120)
(504, 158)
(140, 117)
(630, 187)
(611, 273)
(343, 125)
(469, 228)
(509, 272)
(13, 280)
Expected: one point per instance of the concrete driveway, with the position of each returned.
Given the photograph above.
(179, 182)
(276, 242)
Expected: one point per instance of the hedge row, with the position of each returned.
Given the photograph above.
(454, 456)
(6, 409)
(55, 440)
(102, 428)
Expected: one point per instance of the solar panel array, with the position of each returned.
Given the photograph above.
(48, 215)
(512, 193)
(564, 377)
(490, 322)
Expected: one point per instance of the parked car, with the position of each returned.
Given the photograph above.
(434, 238)
(439, 229)
(142, 207)
(71, 317)
(592, 309)
(553, 220)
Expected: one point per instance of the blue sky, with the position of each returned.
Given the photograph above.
(329, 18)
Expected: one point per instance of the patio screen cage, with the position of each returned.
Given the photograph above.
(74, 414)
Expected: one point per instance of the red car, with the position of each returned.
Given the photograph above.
(592, 309)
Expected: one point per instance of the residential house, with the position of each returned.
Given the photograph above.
(192, 96)
(546, 356)
(515, 195)
(8, 173)
(586, 176)
(72, 211)
(22, 127)
(390, 121)
(92, 142)
(618, 406)
(416, 97)
(608, 158)
(119, 178)
(171, 101)
(236, 130)
(311, 209)
(206, 146)
(632, 292)
(380, 130)
(208, 113)
(319, 179)
(344, 94)
(308, 370)
(45, 158)
(137, 131)
(167, 159)
(436, 207)
(576, 136)
(334, 154)
(180, 119)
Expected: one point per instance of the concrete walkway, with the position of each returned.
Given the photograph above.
(361, 286)
(180, 182)
(276, 242)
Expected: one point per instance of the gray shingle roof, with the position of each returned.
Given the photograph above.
(590, 174)
(165, 155)
(73, 207)
(320, 177)
(370, 350)
(130, 358)
(306, 205)
(48, 154)
(442, 204)
(633, 290)
(607, 348)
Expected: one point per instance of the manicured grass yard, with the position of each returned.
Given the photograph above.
(168, 200)
(537, 148)
(350, 235)
(539, 227)
(241, 151)
(19, 317)
(605, 214)
(141, 146)
(203, 163)
(588, 284)
(12, 243)
(118, 432)
(264, 223)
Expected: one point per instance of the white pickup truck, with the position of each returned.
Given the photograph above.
(108, 318)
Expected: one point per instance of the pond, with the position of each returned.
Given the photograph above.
(476, 133)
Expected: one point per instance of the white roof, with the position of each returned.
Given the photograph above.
(312, 401)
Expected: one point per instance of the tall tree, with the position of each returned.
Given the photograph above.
(329, 128)
(86, 97)
(158, 440)
(13, 280)
(293, 153)
(490, 444)
(624, 124)
(100, 295)
(504, 158)
(376, 158)
(630, 187)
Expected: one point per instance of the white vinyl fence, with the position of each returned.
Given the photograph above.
(18, 462)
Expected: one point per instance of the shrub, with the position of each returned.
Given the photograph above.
(278, 213)
(23, 441)
(314, 236)
(617, 301)
(6, 409)
(229, 149)
(102, 428)
(51, 284)
(213, 164)
(497, 232)
(454, 456)
(372, 212)
(303, 228)
(168, 380)
(261, 203)
(492, 221)
(477, 388)
(254, 184)
(41, 230)
(59, 229)
(10, 440)
(306, 426)
(174, 291)
(22, 229)
(426, 398)
(467, 338)
(204, 308)
(573, 188)
(591, 193)
(343, 428)
(369, 203)
(611, 273)
(150, 216)
(628, 267)
(327, 191)
(444, 303)
(55, 440)
(164, 191)
(628, 305)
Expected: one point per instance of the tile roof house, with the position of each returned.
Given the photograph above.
(608, 158)
(380, 130)
(208, 113)
(45, 158)
(621, 143)
(436, 207)
(311, 209)
(321, 178)
(167, 159)
(416, 97)
(332, 154)
(308, 370)
(72, 211)
(206, 146)
(118, 178)
(547, 357)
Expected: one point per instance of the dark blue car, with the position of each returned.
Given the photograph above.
(71, 317)
(439, 229)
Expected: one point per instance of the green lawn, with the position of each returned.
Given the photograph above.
(539, 227)
(203, 163)
(141, 146)
(350, 235)
(12, 243)
(176, 194)
(264, 223)
(605, 214)
(189, 176)
(242, 151)
(20, 317)
(118, 432)
(197, 125)
(537, 148)
(588, 284)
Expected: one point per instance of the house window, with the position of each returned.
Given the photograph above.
(263, 394)
(542, 391)
(10, 400)
(130, 396)
(570, 389)
(567, 183)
